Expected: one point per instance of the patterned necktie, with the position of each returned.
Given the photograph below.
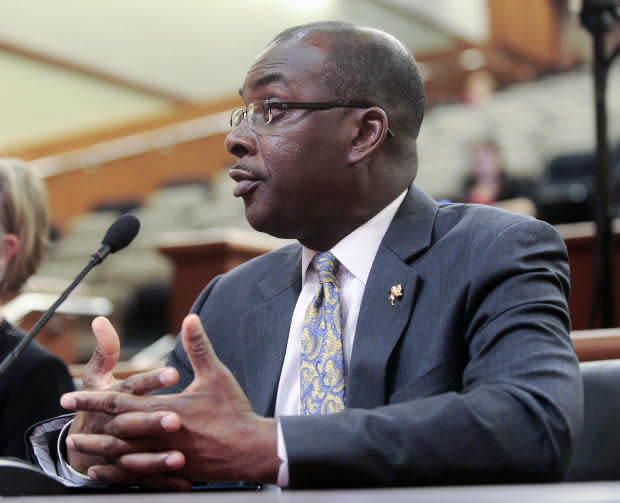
(322, 380)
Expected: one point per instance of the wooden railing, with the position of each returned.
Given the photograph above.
(128, 168)
(601, 344)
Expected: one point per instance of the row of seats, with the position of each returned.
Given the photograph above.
(532, 123)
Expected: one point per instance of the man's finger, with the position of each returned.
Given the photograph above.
(110, 474)
(109, 402)
(141, 384)
(197, 346)
(98, 371)
(152, 462)
(141, 424)
(111, 447)
(106, 446)
(114, 475)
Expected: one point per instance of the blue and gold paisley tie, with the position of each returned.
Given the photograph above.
(322, 377)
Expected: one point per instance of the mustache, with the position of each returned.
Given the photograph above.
(247, 169)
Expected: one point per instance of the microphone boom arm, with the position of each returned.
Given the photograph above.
(23, 344)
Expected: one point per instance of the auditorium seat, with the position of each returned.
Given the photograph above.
(178, 195)
(530, 128)
(597, 456)
(566, 191)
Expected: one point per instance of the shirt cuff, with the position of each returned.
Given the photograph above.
(283, 474)
(64, 469)
(45, 456)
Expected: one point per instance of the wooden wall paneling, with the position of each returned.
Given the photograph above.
(529, 28)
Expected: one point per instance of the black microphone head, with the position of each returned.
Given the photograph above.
(121, 232)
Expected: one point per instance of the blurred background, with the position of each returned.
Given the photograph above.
(124, 106)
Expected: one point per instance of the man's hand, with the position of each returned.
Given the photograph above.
(220, 438)
(97, 375)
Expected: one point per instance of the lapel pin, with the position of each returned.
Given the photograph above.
(396, 292)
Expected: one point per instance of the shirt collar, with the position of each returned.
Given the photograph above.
(356, 252)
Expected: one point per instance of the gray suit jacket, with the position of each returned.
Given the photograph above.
(470, 377)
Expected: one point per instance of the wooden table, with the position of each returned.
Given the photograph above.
(587, 492)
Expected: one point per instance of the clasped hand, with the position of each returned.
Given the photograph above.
(207, 432)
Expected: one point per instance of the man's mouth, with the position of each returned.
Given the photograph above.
(246, 179)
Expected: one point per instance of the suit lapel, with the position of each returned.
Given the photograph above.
(381, 324)
(266, 329)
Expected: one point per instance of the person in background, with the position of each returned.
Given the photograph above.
(488, 182)
(31, 388)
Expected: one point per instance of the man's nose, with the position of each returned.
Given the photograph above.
(241, 141)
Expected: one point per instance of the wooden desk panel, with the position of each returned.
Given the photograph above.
(199, 257)
(580, 243)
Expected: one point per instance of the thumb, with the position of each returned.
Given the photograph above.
(98, 371)
(197, 346)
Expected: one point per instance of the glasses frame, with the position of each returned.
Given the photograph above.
(297, 105)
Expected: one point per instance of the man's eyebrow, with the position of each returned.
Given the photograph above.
(268, 79)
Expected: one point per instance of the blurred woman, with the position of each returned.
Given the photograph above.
(30, 390)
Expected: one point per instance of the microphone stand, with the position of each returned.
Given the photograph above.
(598, 16)
(95, 259)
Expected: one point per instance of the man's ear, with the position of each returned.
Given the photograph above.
(9, 244)
(371, 130)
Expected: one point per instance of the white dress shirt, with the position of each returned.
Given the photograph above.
(356, 253)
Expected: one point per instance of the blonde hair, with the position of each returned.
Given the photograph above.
(23, 212)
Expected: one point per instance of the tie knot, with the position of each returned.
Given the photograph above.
(326, 267)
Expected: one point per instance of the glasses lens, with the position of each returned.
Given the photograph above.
(259, 114)
(236, 116)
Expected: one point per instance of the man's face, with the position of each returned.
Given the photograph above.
(291, 174)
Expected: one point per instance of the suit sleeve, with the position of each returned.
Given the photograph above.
(518, 412)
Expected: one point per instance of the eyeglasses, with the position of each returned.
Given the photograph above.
(260, 114)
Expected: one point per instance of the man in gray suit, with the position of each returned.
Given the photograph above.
(454, 327)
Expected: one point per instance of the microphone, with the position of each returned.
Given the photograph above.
(119, 235)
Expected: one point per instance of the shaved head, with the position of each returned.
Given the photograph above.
(369, 66)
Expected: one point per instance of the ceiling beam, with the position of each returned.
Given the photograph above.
(95, 73)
